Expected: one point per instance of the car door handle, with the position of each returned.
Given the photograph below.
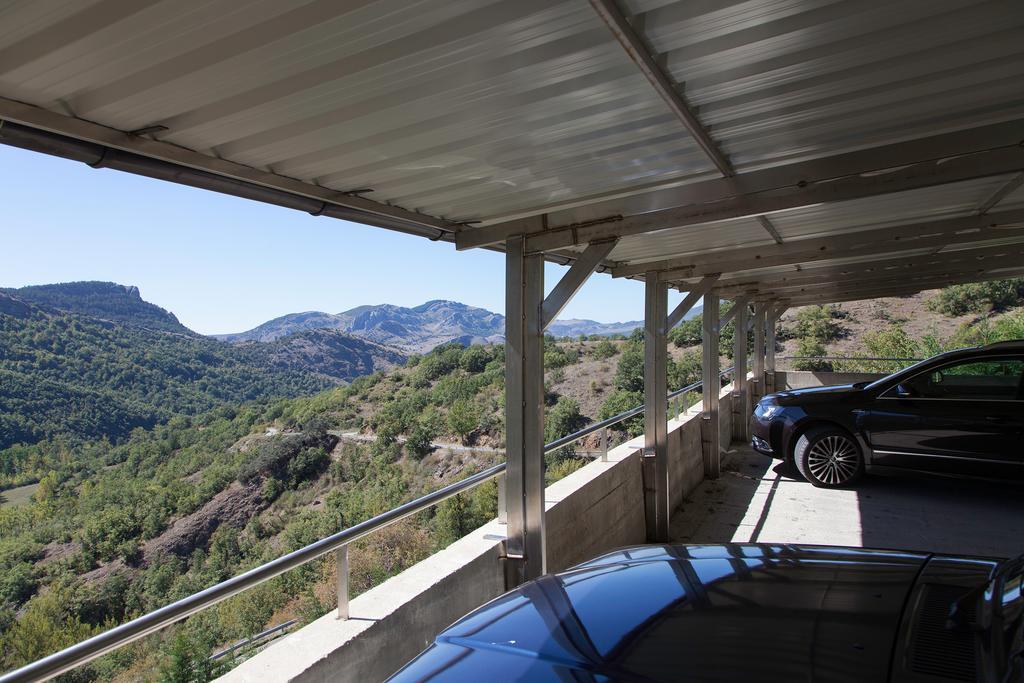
(995, 419)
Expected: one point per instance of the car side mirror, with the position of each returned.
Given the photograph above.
(902, 391)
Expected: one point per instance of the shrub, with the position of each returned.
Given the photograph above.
(819, 323)
(563, 419)
(686, 370)
(812, 350)
(620, 401)
(687, 333)
(308, 464)
(558, 357)
(978, 297)
(111, 534)
(630, 373)
(604, 349)
(475, 359)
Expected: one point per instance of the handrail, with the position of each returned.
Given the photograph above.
(253, 640)
(846, 358)
(99, 645)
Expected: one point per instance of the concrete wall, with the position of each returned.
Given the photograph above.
(798, 379)
(593, 510)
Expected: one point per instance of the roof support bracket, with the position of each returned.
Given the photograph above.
(699, 290)
(571, 282)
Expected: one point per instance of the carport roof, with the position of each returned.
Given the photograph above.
(789, 144)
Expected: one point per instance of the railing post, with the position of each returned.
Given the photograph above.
(604, 444)
(341, 560)
(711, 388)
(502, 501)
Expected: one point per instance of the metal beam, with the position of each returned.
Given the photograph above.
(1001, 193)
(655, 455)
(644, 56)
(580, 271)
(770, 228)
(710, 438)
(931, 261)
(637, 49)
(916, 235)
(122, 150)
(524, 414)
(695, 293)
(820, 295)
(727, 317)
(961, 272)
(925, 162)
(739, 359)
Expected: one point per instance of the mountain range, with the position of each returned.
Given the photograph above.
(92, 359)
(419, 328)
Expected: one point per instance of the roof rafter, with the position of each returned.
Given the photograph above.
(925, 162)
(918, 235)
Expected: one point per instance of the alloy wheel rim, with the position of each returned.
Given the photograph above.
(833, 460)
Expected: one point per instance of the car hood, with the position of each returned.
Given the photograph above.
(670, 613)
(816, 394)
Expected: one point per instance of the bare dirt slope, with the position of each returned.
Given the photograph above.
(874, 314)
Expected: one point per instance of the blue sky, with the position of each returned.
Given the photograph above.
(223, 264)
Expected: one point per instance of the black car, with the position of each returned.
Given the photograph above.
(757, 612)
(959, 413)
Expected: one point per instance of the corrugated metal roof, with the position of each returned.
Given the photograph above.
(782, 79)
(460, 109)
(482, 110)
(954, 199)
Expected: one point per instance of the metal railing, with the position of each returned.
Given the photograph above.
(119, 636)
(257, 640)
(907, 360)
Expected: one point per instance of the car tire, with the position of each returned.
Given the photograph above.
(828, 457)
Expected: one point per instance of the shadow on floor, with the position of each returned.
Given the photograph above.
(762, 500)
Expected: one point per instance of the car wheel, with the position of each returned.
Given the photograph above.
(828, 457)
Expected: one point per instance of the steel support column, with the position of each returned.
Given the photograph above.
(740, 388)
(709, 420)
(524, 413)
(760, 321)
(772, 315)
(655, 456)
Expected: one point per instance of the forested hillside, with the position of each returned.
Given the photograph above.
(66, 376)
(116, 530)
(103, 300)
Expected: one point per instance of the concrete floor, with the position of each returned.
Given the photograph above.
(758, 499)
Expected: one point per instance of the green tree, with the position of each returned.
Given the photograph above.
(421, 437)
(463, 419)
(453, 520)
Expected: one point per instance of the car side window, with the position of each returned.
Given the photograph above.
(995, 379)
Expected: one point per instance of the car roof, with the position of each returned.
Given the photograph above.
(1010, 345)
